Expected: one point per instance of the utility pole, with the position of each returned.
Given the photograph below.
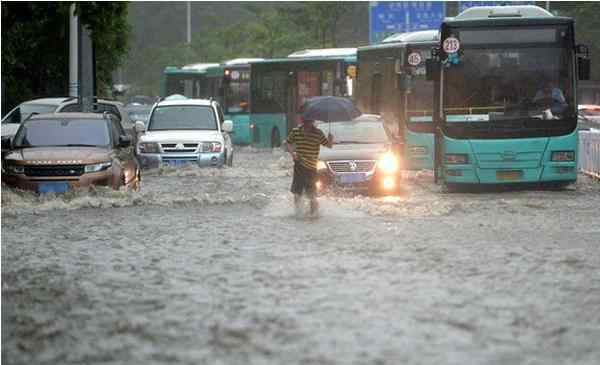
(189, 23)
(73, 53)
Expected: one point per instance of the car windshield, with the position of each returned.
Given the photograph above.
(63, 132)
(355, 131)
(503, 75)
(25, 110)
(185, 117)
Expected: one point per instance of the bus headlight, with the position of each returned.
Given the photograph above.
(457, 158)
(388, 163)
(563, 156)
(321, 165)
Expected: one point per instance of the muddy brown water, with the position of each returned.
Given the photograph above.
(212, 266)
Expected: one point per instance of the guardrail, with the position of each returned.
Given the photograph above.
(589, 153)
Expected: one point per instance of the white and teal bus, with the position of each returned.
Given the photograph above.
(190, 81)
(392, 82)
(505, 106)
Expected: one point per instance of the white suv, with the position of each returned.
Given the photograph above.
(185, 131)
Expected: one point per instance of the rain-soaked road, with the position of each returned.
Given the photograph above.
(212, 267)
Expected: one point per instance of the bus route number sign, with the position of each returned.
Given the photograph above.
(414, 59)
(451, 45)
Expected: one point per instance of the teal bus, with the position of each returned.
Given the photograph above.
(189, 81)
(280, 86)
(505, 97)
(229, 83)
(392, 82)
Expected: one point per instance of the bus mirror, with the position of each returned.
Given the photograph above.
(431, 69)
(583, 68)
(582, 49)
(405, 83)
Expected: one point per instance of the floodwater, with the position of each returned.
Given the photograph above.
(211, 266)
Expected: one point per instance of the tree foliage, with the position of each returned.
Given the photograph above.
(35, 46)
(228, 30)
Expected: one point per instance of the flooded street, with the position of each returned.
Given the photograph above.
(211, 266)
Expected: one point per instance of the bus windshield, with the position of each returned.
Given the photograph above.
(185, 84)
(237, 92)
(508, 80)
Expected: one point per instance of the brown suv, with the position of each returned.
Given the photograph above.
(57, 152)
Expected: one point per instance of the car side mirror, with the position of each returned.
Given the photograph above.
(6, 143)
(139, 127)
(227, 126)
(124, 141)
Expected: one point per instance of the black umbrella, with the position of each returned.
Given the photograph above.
(329, 109)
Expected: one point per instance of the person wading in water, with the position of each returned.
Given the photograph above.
(303, 143)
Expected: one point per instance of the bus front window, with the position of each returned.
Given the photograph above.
(419, 105)
(237, 92)
(508, 82)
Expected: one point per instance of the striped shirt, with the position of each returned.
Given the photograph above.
(307, 145)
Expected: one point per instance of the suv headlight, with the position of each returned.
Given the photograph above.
(148, 147)
(211, 147)
(388, 163)
(98, 166)
(14, 169)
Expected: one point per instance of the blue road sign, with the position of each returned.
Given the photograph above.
(463, 5)
(389, 17)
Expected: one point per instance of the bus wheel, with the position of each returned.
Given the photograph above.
(275, 141)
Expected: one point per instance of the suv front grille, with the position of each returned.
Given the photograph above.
(351, 166)
(179, 147)
(54, 170)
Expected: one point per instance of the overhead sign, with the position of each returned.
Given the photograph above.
(389, 17)
(463, 5)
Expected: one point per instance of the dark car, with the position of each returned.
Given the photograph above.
(364, 157)
(60, 151)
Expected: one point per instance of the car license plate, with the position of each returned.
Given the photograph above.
(177, 163)
(509, 175)
(53, 187)
(355, 177)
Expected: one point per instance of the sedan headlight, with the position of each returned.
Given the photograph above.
(148, 147)
(98, 166)
(388, 163)
(563, 156)
(14, 169)
(457, 158)
(321, 165)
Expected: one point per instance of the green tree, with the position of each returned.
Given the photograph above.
(35, 46)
